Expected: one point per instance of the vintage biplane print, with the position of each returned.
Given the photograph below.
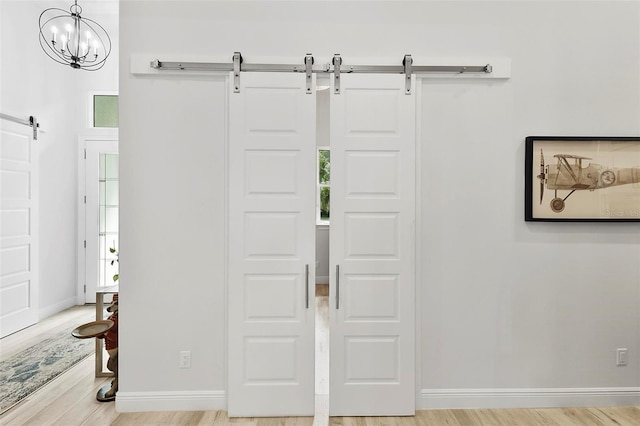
(570, 173)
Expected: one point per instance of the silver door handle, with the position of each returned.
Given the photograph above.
(306, 285)
(337, 286)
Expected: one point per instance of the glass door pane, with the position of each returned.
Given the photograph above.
(109, 225)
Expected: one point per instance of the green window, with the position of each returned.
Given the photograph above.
(324, 185)
(105, 110)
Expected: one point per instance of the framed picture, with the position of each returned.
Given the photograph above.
(582, 179)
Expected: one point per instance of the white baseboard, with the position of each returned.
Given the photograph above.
(127, 402)
(50, 310)
(428, 399)
(527, 398)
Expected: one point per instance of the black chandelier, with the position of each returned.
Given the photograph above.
(70, 39)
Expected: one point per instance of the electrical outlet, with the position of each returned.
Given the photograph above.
(185, 359)
(622, 356)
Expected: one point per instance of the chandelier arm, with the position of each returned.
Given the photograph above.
(53, 8)
(101, 64)
(46, 22)
(88, 23)
(55, 58)
(60, 53)
(59, 57)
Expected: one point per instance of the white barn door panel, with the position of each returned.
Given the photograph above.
(271, 246)
(18, 228)
(372, 245)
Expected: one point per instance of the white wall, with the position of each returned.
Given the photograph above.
(512, 313)
(322, 254)
(32, 84)
(509, 304)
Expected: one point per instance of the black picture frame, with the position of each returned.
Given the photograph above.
(582, 179)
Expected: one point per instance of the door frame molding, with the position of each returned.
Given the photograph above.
(89, 135)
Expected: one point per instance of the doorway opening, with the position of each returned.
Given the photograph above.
(322, 351)
(100, 209)
(323, 204)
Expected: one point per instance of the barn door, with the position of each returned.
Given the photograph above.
(18, 228)
(271, 246)
(372, 312)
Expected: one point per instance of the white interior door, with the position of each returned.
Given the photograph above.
(271, 246)
(372, 312)
(101, 214)
(18, 228)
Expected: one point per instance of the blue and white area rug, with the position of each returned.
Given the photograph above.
(29, 370)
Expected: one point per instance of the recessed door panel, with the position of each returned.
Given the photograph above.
(271, 361)
(381, 106)
(15, 260)
(262, 118)
(272, 173)
(371, 360)
(369, 235)
(371, 298)
(281, 290)
(371, 174)
(13, 147)
(271, 234)
(14, 298)
(15, 223)
(15, 184)
(271, 247)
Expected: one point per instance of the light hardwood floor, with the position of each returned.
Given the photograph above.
(70, 400)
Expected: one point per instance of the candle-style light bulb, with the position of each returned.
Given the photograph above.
(87, 44)
(54, 33)
(63, 38)
(84, 48)
(67, 39)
